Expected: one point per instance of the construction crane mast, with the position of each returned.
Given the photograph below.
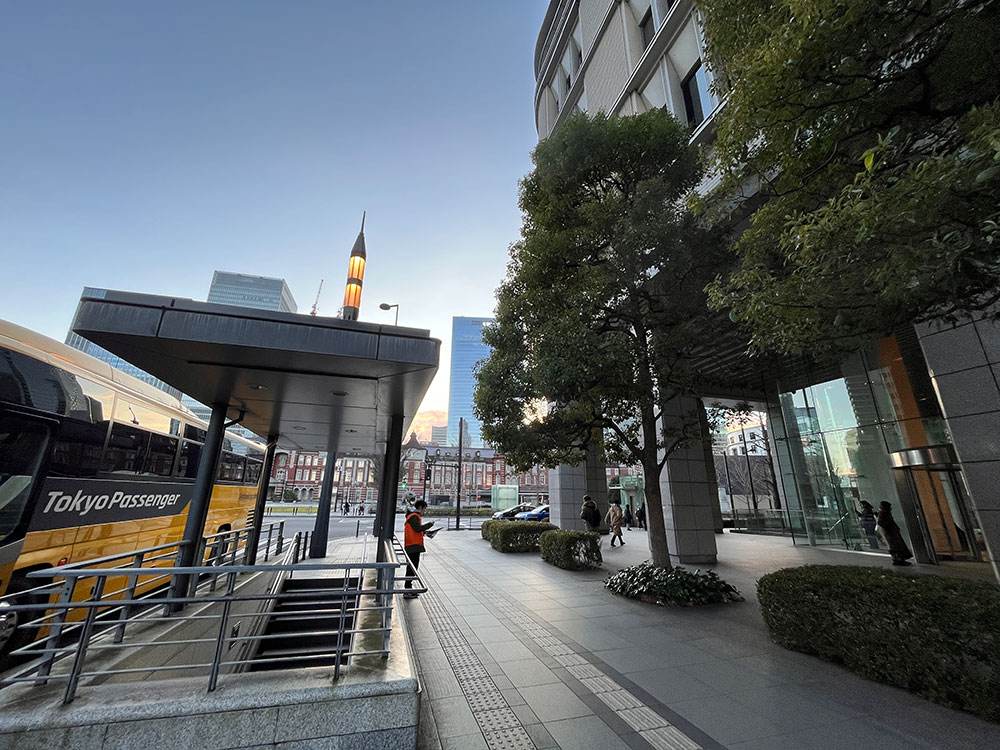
(316, 303)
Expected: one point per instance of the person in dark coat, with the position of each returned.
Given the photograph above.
(867, 517)
(892, 535)
(590, 514)
(628, 517)
(640, 516)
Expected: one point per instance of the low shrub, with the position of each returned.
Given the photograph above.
(934, 636)
(487, 525)
(571, 550)
(517, 536)
(674, 587)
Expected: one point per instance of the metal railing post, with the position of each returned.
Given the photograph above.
(55, 630)
(267, 549)
(133, 579)
(340, 628)
(390, 574)
(81, 648)
(281, 536)
(220, 642)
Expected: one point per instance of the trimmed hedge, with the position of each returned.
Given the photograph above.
(487, 525)
(934, 636)
(571, 550)
(517, 536)
(675, 586)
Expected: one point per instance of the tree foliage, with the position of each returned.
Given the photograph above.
(871, 129)
(603, 301)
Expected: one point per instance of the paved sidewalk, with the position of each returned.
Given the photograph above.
(514, 653)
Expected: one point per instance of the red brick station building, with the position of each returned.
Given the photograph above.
(296, 476)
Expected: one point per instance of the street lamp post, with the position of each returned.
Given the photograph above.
(387, 306)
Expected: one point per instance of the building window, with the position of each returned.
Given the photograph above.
(697, 100)
(646, 26)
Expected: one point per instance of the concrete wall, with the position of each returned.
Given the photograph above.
(964, 363)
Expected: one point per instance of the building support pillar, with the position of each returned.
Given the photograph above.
(321, 531)
(253, 539)
(386, 516)
(194, 527)
(568, 484)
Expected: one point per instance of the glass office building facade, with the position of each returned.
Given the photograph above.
(871, 429)
(244, 290)
(467, 348)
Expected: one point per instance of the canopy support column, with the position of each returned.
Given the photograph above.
(194, 528)
(253, 540)
(321, 531)
(385, 526)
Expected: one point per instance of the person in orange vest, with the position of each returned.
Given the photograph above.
(413, 541)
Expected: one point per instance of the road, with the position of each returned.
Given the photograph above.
(339, 526)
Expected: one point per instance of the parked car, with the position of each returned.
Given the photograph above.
(541, 513)
(511, 512)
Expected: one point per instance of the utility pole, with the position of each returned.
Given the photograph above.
(458, 491)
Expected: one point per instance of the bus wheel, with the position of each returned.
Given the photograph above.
(11, 636)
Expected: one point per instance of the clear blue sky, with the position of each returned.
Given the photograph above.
(145, 145)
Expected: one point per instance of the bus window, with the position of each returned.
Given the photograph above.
(187, 464)
(22, 444)
(253, 471)
(77, 452)
(193, 432)
(160, 459)
(126, 449)
(230, 467)
(141, 416)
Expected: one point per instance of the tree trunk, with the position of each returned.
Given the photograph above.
(658, 548)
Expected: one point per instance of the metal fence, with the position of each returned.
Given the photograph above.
(88, 614)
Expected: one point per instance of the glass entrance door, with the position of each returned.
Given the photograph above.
(942, 509)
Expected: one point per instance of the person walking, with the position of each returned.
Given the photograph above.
(640, 516)
(628, 517)
(613, 518)
(413, 542)
(867, 517)
(590, 514)
(347, 507)
(892, 535)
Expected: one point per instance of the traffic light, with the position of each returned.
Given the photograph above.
(427, 475)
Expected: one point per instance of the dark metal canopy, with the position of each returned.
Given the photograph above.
(319, 383)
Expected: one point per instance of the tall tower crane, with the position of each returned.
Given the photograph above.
(316, 303)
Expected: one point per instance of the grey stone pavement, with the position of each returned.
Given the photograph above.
(515, 653)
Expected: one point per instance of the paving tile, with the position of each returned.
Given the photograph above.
(554, 702)
(528, 672)
(465, 742)
(440, 683)
(453, 718)
(671, 685)
(503, 651)
(587, 733)
(495, 634)
(791, 707)
(846, 734)
(725, 720)
(637, 660)
(728, 675)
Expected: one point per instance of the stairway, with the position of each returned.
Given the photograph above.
(303, 629)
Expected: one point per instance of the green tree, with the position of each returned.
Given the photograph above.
(871, 130)
(602, 304)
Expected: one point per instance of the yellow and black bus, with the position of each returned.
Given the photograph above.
(94, 462)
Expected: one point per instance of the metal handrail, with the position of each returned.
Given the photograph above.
(103, 630)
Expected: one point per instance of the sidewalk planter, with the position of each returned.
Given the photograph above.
(571, 550)
(517, 536)
(677, 586)
(934, 636)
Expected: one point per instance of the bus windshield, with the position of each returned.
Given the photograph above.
(22, 444)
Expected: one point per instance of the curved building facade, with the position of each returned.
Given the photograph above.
(910, 418)
(621, 58)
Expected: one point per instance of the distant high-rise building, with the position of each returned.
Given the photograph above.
(88, 347)
(439, 435)
(244, 290)
(467, 348)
